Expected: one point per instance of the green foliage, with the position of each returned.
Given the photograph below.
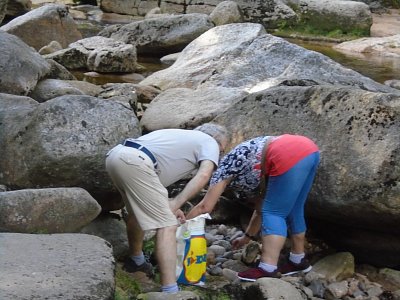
(125, 286)
(311, 31)
(391, 3)
(206, 293)
(149, 246)
(41, 231)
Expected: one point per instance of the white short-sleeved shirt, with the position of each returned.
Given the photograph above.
(179, 152)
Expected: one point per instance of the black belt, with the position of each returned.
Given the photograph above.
(131, 144)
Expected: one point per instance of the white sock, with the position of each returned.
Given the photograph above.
(296, 258)
(138, 259)
(172, 288)
(267, 267)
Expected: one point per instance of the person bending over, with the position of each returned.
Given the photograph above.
(142, 168)
(284, 166)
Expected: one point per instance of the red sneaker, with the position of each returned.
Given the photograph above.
(291, 268)
(255, 273)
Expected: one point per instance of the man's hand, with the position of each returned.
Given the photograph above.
(180, 216)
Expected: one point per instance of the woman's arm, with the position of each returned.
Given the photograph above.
(194, 186)
(209, 201)
(252, 229)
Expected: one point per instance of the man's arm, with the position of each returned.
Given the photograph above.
(210, 199)
(194, 186)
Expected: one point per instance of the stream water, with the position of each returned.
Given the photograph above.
(378, 68)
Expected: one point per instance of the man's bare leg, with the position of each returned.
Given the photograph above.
(166, 254)
(135, 235)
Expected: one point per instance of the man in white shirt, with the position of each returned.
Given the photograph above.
(142, 168)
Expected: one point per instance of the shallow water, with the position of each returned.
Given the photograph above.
(378, 68)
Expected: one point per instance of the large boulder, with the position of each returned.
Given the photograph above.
(98, 54)
(188, 108)
(269, 13)
(243, 56)
(42, 25)
(160, 36)
(56, 266)
(9, 102)
(14, 53)
(63, 142)
(46, 210)
(379, 46)
(227, 12)
(358, 133)
(128, 7)
(328, 15)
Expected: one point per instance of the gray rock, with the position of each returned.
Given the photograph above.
(40, 26)
(128, 7)
(160, 36)
(182, 295)
(246, 57)
(188, 108)
(227, 12)
(15, 53)
(380, 46)
(57, 266)
(52, 47)
(98, 54)
(63, 142)
(9, 102)
(46, 210)
(335, 267)
(358, 134)
(272, 288)
(51, 88)
(3, 9)
(331, 15)
(17, 8)
(58, 71)
(124, 93)
(113, 229)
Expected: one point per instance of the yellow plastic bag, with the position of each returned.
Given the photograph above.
(191, 260)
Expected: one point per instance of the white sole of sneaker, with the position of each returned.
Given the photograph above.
(247, 279)
(295, 272)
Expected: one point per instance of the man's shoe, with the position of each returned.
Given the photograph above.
(255, 273)
(291, 268)
(131, 267)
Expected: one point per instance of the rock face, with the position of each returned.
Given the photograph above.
(160, 36)
(128, 7)
(98, 54)
(358, 134)
(191, 107)
(57, 266)
(244, 56)
(46, 210)
(380, 46)
(331, 15)
(14, 54)
(62, 142)
(42, 25)
(3, 7)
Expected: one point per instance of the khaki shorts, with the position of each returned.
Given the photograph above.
(132, 172)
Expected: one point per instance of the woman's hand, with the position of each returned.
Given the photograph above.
(180, 216)
(240, 242)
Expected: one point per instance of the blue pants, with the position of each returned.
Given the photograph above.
(283, 205)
